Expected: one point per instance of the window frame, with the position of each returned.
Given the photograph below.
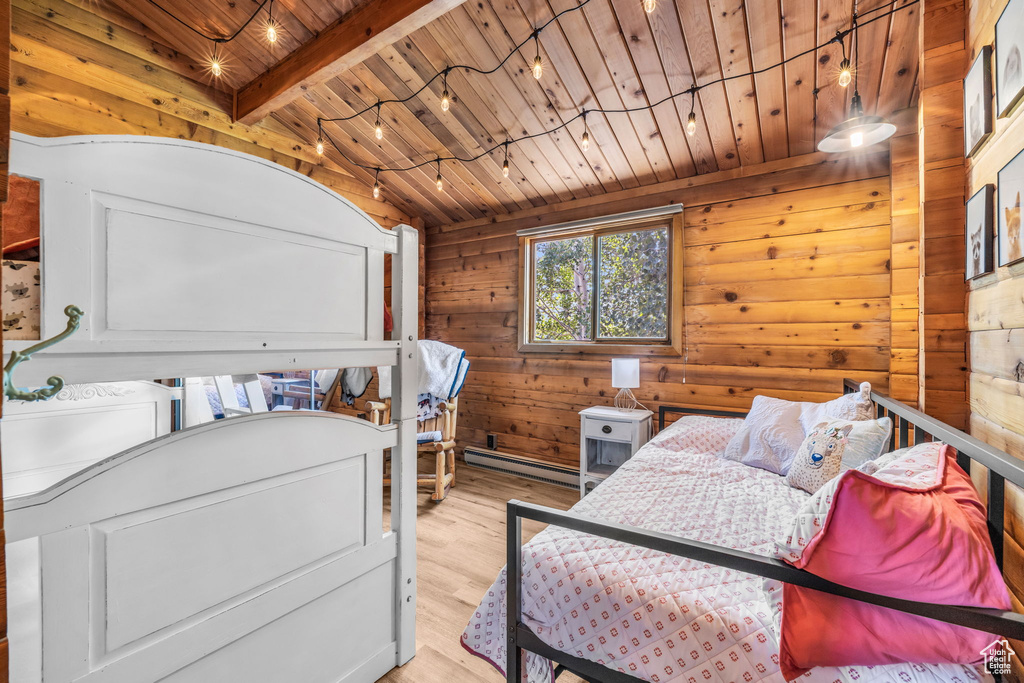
(670, 217)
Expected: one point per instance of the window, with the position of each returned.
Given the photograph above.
(604, 285)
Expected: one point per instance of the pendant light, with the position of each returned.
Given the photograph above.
(858, 130)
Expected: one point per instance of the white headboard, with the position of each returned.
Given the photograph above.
(190, 259)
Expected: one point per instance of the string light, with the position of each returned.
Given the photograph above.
(865, 139)
(845, 73)
(504, 167)
(691, 120)
(649, 5)
(319, 139)
(215, 63)
(378, 129)
(271, 27)
(446, 102)
(538, 65)
(440, 181)
(376, 185)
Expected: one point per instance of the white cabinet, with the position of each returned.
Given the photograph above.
(608, 438)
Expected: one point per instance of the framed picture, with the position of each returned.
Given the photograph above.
(980, 244)
(1010, 56)
(978, 102)
(1011, 187)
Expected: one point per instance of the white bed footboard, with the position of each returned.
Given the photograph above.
(240, 550)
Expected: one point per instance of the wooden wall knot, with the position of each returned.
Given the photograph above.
(1018, 372)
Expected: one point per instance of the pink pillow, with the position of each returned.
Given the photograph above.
(915, 529)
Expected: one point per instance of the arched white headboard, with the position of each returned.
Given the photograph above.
(186, 259)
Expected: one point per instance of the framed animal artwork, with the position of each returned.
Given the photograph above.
(978, 102)
(1011, 187)
(980, 245)
(1010, 56)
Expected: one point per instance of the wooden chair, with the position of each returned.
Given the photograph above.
(443, 478)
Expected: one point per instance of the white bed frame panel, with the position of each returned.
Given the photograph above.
(166, 245)
(47, 441)
(244, 549)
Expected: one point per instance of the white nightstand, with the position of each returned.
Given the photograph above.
(608, 438)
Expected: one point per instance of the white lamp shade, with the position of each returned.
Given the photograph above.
(625, 373)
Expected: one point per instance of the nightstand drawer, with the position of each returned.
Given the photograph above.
(608, 430)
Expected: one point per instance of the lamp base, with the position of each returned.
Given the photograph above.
(625, 400)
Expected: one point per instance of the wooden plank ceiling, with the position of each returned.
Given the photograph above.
(610, 55)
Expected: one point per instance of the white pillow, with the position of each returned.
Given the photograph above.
(856, 406)
(770, 436)
(868, 440)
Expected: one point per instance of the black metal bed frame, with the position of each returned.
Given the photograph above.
(1001, 467)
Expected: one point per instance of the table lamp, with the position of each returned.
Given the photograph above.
(625, 376)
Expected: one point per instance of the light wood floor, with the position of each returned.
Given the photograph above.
(460, 549)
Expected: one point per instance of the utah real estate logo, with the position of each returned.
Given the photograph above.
(997, 657)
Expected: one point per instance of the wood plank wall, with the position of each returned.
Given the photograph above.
(83, 67)
(995, 319)
(906, 259)
(787, 291)
(943, 338)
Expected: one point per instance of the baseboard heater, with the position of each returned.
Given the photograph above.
(523, 467)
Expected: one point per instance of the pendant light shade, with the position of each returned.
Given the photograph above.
(857, 131)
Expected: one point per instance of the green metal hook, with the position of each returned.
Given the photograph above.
(74, 314)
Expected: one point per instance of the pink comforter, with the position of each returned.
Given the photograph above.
(659, 617)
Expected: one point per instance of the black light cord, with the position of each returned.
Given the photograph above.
(692, 90)
(465, 67)
(213, 39)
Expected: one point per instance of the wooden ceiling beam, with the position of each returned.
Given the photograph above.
(346, 43)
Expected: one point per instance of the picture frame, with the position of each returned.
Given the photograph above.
(1010, 57)
(978, 102)
(980, 238)
(1008, 211)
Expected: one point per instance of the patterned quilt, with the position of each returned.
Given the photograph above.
(659, 617)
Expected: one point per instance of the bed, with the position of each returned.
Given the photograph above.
(659, 574)
(244, 549)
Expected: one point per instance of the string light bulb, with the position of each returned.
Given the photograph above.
(446, 102)
(691, 120)
(215, 63)
(845, 73)
(440, 180)
(504, 166)
(319, 139)
(538, 63)
(271, 27)
(378, 129)
(376, 185)
(585, 140)
(650, 5)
